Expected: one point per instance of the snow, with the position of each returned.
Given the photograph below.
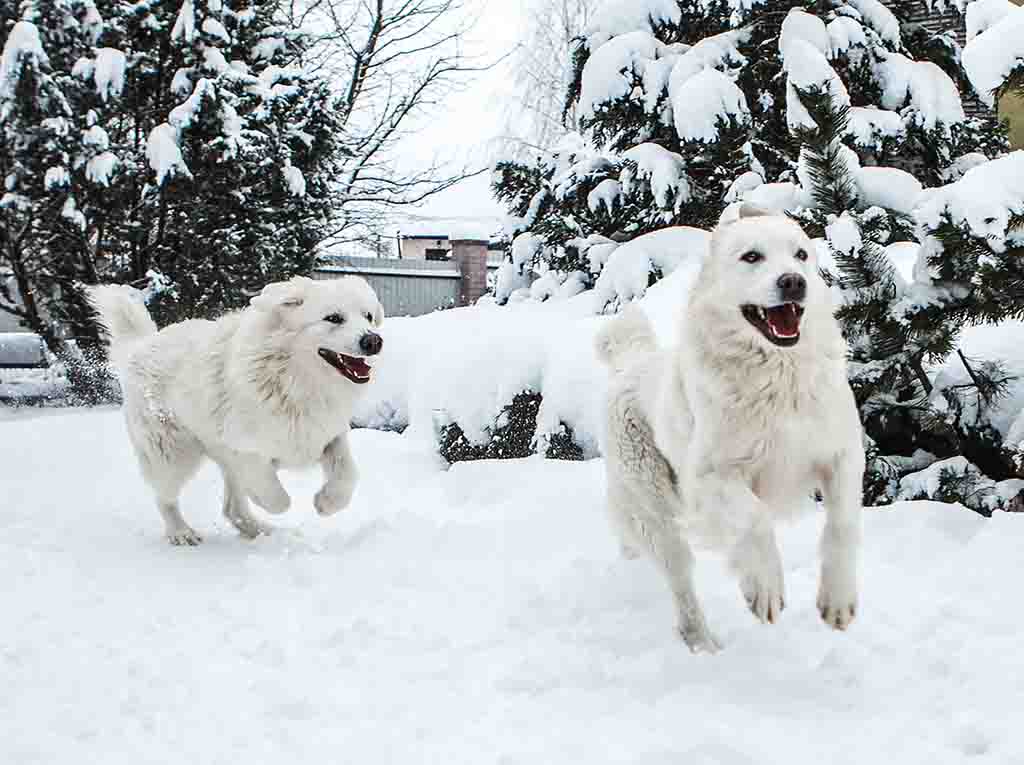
(214, 28)
(804, 27)
(476, 615)
(806, 69)
(743, 185)
(605, 195)
(56, 177)
(21, 348)
(845, 33)
(163, 153)
(181, 83)
(991, 56)
(626, 274)
(294, 179)
(843, 234)
(23, 43)
(869, 126)
(981, 202)
(609, 72)
(702, 101)
(889, 188)
(183, 114)
(185, 24)
(719, 51)
(879, 18)
(100, 168)
(108, 72)
(663, 169)
(617, 17)
(928, 91)
(983, 14)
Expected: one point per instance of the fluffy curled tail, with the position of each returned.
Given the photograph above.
(122, 316)
(630, 332)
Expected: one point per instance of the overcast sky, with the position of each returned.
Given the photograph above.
(473, 118)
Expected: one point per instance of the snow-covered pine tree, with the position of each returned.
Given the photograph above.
(823, 111)
(179, 146)
(238, 142)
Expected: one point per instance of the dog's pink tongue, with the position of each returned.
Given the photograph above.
(784, 320)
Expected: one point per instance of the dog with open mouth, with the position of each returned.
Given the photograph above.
(272, 386)
(711, 442)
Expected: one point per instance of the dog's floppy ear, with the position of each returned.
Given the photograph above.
(281, 295)
(748, 210)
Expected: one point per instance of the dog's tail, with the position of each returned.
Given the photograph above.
(122, 316)
(630, 332)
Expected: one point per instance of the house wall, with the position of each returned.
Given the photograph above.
(416, 249)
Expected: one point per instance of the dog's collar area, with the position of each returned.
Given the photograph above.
(353, 368)
(780, 324)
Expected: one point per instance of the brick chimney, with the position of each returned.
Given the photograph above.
(470, 255)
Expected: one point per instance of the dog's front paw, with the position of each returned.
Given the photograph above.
(334, 496)
(184, 536)
(837, 599)
(765, 596)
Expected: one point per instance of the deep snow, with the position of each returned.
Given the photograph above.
(478, 615)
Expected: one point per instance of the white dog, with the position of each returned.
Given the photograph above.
(714, 440)
(267, 387)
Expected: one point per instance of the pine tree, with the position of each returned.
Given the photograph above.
(836, 113)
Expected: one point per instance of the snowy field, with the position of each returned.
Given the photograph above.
(478, 615)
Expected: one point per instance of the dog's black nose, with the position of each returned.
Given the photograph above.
(793, 287)
(371, 343)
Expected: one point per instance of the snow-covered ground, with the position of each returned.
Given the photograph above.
(476, 615)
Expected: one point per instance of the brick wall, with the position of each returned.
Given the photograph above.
(470, 255)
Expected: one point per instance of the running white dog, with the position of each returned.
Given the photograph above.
(267, 387)
(713, 441)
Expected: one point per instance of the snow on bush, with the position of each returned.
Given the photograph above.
(981, 203)
(609, 72)
(702, 101)
(663, 169)
(928, 91)
(108, 72)
(888, 187)
(869, 126)
(23, 45)
(494, 353)
(983, 14)
(994, 54)
(164, 155)
(622, 16)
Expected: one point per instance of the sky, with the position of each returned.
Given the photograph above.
(465, 129)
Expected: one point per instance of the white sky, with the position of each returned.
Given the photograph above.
(473, 118)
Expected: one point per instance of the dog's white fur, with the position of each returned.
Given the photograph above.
(714, 440)
(248, 391)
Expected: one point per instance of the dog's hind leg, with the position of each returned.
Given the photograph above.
(169, 458)
(673, 553)
(619, 515)
(757, 561)
(236, 507)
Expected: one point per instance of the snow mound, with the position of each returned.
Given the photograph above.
(806, 69)
(889, 188)
(164, 155)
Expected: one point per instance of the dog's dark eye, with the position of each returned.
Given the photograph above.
(335, 318)
(369, 317)
(801, 254)
(751, 257)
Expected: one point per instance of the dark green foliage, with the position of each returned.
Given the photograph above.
(513, 436)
